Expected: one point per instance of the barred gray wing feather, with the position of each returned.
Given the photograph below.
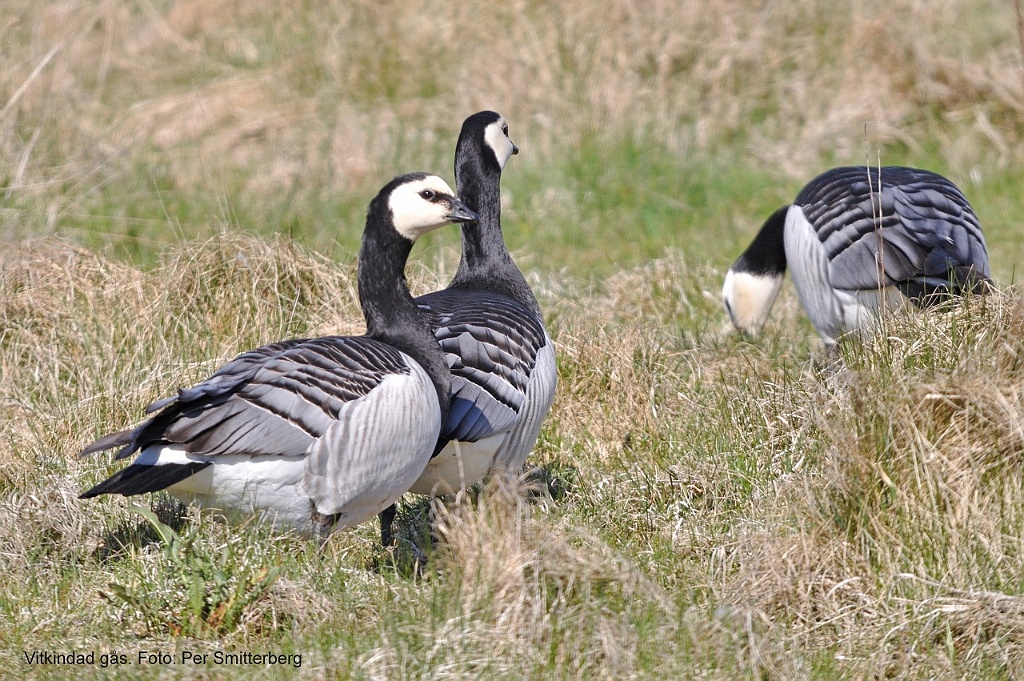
(236, 372)
(387, 442)
(912, 229)
(540, 392)
(491, 344)
(275, 400)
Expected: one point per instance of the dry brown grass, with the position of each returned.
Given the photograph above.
(528, 582)
(330, 96)
(904, 551)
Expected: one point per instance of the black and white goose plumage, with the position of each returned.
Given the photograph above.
(322, 433)
(858, 241)
(491, 329)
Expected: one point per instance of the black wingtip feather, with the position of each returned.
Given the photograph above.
(928, 291)
(139, 479)
(118, 439)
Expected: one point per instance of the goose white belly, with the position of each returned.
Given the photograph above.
(861, 310)
(465, 463)
(238, 484)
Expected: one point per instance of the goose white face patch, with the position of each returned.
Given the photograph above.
(496, 137)
(749, 298)
(420, 206)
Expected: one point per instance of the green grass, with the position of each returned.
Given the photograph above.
(601, 207)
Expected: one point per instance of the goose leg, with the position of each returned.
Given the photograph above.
(387, 516)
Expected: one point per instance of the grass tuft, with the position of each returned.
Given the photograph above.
(195, 590)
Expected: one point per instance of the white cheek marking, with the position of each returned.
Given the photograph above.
(749, 298)
(413, 215)
(499, 142)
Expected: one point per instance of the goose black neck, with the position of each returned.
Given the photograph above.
(766, 254)
(391, 315)
(486, 263)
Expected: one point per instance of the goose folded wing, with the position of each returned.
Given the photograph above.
(275, 400)
(917, 228)
(940, 219)
(863, 241)
(916, 236)
(491, 344)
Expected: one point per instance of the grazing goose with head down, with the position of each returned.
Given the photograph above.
(859, 241)
(322, 433)
(490, 327)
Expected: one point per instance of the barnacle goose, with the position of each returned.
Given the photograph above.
(321, 433)
(491, 329)
(858, 241)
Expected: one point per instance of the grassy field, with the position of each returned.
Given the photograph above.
(183, 180)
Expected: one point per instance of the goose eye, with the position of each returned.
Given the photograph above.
(427, 194)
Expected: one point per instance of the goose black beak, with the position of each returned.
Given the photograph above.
(460, 212)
